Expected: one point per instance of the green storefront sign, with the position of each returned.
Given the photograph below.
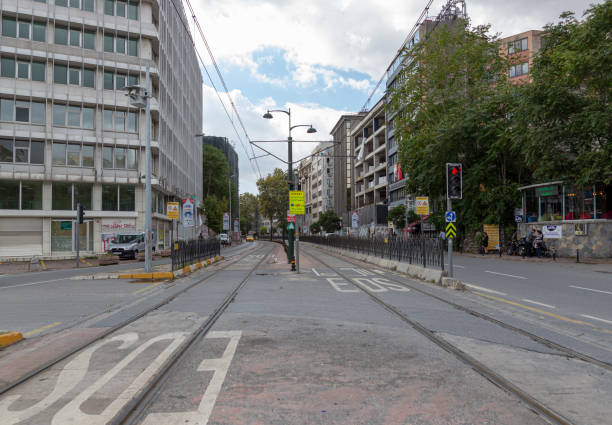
(548, 190)
(66, 225)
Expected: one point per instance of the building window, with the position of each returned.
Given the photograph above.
(66, 196)
(89, 40)
(517, 46)
(120, 158)
(118, 198)
(72, 155)
(22, 111)
(39, 31)
(133, 47)
(73, 116)
(22, 69)
(118, 81)
(519, 69)
(61, 35)
(16, 195)
(121, 8)
(120, 121)
(109, 43)
(22, 151)
(9, 27)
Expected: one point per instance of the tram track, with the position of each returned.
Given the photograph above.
(475, 364)
(39, 369)
(133, 411)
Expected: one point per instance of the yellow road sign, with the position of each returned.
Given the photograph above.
(296, 202)
(422, 205)
(451, 231)
(172, 211)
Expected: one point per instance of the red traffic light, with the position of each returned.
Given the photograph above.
(456, 170)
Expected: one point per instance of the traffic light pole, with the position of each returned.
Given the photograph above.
(291, 234)
(77, 236)
(449, 207)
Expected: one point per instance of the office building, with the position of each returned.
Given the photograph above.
(68, 133)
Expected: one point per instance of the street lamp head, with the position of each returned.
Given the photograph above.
(311, 130)
(268, 115)
(137, 94)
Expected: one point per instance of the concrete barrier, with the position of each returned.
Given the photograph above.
(412, 270)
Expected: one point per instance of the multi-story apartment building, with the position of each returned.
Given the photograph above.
(343, 166)
(68, 133)
(316, 179)
(370, 166)
(521, 49)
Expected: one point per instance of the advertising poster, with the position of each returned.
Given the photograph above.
(188, 212)
(552, 232)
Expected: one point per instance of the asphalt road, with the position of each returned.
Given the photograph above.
(580, 291)
(311, 348)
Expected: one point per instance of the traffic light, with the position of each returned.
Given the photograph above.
(454, 181)
(80, 213)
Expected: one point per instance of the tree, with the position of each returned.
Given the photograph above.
(398, 216)
(274, 197)
(454, 104)
(215, 172)
(564, 118)
(329, 221)
(214, 209)
(315, 227)
(263, 230)
(249, 212)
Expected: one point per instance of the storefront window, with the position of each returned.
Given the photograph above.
(127, 198)
(572, 203)
(61, 196)
(587, 202)
(31, 195)
(61, 235)
(9, 195)
(531, 204)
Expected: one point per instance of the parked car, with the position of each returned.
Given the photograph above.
(128, 245)
(225, 240)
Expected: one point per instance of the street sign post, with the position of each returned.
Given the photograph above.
(172, 211)
(451, 231)
(422, 205)
(454, 190)
(291, 218)
(296, 202)
(451, 217)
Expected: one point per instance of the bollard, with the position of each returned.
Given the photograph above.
(577, 256)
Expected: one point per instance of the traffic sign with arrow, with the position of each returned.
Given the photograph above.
(451, 231)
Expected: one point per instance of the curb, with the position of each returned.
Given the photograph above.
(170, 275)
(8, 338)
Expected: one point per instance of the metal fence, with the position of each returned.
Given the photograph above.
(422, 251)
(185, 253)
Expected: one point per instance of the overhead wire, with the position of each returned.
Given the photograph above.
(196, 23)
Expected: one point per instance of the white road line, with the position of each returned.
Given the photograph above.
(589, 289)
(480, 288)
(33, 283)
(537, 303)
(504, 274)
(596, 318)
(315, 272)
(455, 265)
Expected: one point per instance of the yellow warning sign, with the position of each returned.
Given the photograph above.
(296, 202)
(172, 211)
(422, 205)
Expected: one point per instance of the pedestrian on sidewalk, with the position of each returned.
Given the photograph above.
(539, 240)
(485, 243)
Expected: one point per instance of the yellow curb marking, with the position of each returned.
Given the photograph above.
(42, 263)
(86, 262)
(153, 285)
(546, 313)
(39, 330)
(10, 338)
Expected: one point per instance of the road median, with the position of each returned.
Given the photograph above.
(9, 337)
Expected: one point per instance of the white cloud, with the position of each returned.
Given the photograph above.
(216, 123)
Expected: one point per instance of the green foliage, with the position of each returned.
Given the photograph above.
(564, 118)
(215, 172)
(274, 197)
(315, 227)
(214, 209)
(263, 230)
(398, 216)
(412, 216)
(249, 212)
(329, 221)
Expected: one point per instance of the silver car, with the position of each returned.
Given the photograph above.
(128, 245)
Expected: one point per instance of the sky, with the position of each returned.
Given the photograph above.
(321, 59)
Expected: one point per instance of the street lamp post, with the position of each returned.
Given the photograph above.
(141, 97)
(290, 177)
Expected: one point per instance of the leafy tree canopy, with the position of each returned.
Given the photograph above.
(214, 209)
(249, 212)
(274, 196)
(215, 172)
(398, 216)
(329, 221)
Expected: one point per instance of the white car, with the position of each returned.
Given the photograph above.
(224, 238)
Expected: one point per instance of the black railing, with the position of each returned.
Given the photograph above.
(422, 251)
(189, 252)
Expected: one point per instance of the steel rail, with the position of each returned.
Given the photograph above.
(550, 344)
(131, 319)
(132, 412)
(479, 367)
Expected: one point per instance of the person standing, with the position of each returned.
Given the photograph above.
(485, 242)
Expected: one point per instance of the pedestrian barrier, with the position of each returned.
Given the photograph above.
(185, 253)
(422, 251)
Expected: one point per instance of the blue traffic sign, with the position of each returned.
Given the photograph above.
(451, 217)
